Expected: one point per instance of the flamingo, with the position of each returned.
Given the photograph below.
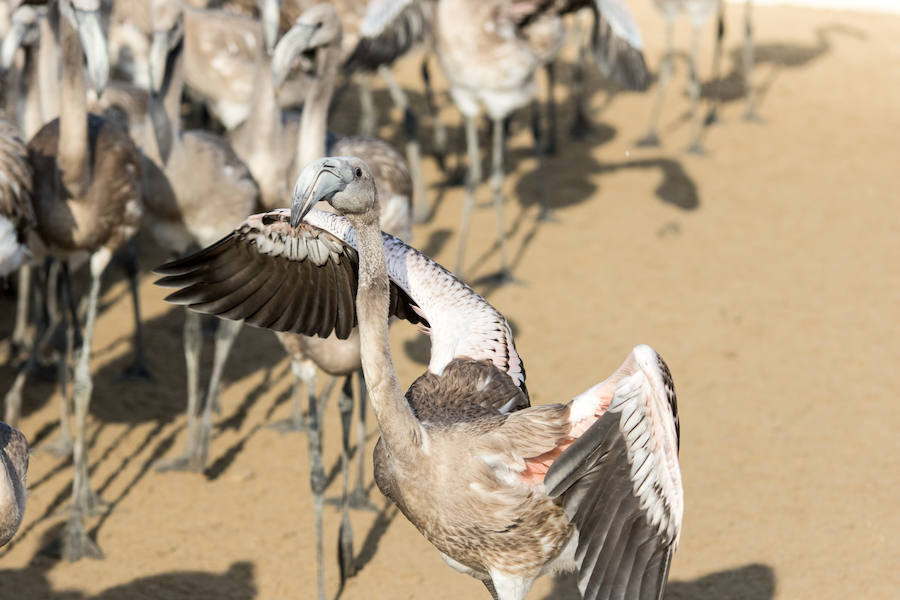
(13, 472)
(317, 35)
(698, 12)
(87, 200)
(489, 62)
(197, 189)
(504, 490)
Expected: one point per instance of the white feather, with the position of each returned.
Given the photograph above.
(12, 253)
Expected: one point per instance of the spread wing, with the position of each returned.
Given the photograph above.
(620, 482)
(389, 30)
(304, 280)
(616, 39)
(271, 275)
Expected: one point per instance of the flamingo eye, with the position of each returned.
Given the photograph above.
(358, 172)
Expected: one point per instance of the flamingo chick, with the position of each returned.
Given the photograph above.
(505, 491)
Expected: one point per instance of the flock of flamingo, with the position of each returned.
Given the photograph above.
(504, 490)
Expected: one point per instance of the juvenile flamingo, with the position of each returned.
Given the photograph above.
(504, 490)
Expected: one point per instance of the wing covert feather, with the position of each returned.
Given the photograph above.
(270, 275)
(620, 483)
(462, 323)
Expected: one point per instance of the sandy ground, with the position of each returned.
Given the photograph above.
(765, 273)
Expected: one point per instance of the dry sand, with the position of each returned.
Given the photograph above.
(765, 272)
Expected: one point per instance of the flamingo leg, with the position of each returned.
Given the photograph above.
(359, 498)
(345, 533)
(696, 146)
(440, 128)
(19, 339)
(665, 74)
(62, 446)
(713, 114)
(304, 371)
(193, 345)
(76, 543)
(581, 126)
(545, 214)
(421, 209)
(749, 50)
(138, 368)
(550, 143)
(13, 398)
(472, 181)
(317, 477)
(225, 336)
(505, 275)
(366, 105)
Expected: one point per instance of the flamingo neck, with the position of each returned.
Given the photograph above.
(73, 156)
(265, 114)
(401, 431)
(314, 120)
(48, 66)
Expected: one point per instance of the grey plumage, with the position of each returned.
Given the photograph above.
(499, 487)
(13, 475)
(17, 216)
(619, 554)
(219, 279)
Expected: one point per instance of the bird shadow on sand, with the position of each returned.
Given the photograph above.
(383, 520)
(675, 187)
(750, 582)
(118, 401)
(32, 582)
(772, 59)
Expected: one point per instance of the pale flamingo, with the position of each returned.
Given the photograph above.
(505, 491)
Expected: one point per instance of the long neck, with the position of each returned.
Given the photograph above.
(400, 429)
(48, 66)
(174, 89)
(314, 120)
(164, 116)
(73, 154)
(265, 113)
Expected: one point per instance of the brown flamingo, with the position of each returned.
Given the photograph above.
(87, 201)
(504, 490)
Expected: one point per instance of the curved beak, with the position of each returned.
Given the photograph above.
(319, 181)
(289, 47)
(11, 43)
(93, 42)
(159, 54)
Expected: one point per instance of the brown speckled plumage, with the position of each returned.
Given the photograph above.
(15, 170)
(504, 490)
(108, 212)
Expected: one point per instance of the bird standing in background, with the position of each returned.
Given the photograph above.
(197, 189)
(87, 200)
(489, 63)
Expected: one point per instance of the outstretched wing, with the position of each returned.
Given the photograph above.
(271, 275)
(461, 323)
(616, 39)
(304, 280)
(620, 482)
(389, 30)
